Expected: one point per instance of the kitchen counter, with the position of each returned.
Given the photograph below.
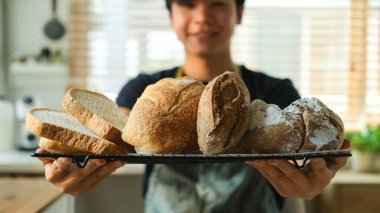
(26, 194)
(119, 191)
(20, 162)
(352, 177)
(350, 191)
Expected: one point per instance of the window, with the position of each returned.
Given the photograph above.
(328, 48)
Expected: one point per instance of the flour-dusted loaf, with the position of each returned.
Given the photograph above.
(59, 126)
(271, 130)
(163, 120)
(223, 114)
(96, 112)
(324, 130)
(305, 125)
(59, 147)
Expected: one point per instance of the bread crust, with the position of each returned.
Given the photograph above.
(271, 130)
(223, 114)
(324, 130)
(307, 125)
(69, 137)
(91, 120)
(59, 148)
(163, 120)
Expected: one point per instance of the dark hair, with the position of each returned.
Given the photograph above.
(239, 3)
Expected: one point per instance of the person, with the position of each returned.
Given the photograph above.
(205, 28)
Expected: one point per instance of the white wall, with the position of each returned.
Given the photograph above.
(25, 21)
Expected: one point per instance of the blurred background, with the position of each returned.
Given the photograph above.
(330, 49)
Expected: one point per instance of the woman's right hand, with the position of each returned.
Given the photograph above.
(71, 179)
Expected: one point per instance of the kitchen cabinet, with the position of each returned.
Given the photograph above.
(351, 192)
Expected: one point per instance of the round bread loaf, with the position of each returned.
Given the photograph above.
(305, 125)
(324, 130)
(223, 114)
(271, 130)
(163, 120)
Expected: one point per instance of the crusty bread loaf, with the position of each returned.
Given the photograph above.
(271, 130)
(163, 120)
(305, 125)
(96, 112)
(59, 126)
(223, 114)
(324, 130)
(59, 148)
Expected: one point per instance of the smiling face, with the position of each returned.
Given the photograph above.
(205, 26)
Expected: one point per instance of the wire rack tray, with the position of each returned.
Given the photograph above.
(133, 158)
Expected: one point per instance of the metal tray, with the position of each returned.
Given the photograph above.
(81, 160)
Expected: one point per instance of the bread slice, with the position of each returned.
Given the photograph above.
(59, 126)
(96, 112)
(59, 148)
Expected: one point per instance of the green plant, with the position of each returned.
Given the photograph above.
(368, 140)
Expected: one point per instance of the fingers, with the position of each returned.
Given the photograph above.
(88, 183)
(77, 174)
(320, 175)
(277, 178)
(292, 182)
(291, 172)
(296, 183)
(44, 160)
(57, 170)
(346, 144)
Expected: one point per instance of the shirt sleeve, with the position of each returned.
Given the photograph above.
(132, 90)
(282, 93)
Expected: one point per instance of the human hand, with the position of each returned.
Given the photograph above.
(71, 179)
(302, 183)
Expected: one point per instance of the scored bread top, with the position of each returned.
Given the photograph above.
(59, 126)
(223, 114)
(324, 129)
(97, 112)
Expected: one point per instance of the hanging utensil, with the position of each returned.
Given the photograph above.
(54, 29)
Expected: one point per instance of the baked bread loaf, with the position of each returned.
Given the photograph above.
(223, 114)
(324, 130)
(98, 113)
(61, 127)
(271, 130)
(59, 148)
(163, 120)
(305, 125)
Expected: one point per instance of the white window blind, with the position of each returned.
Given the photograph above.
(328, 48)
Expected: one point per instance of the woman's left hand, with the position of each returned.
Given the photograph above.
(303, 183)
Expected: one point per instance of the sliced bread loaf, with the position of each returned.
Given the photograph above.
(59, 147)
(59, 126)
(96, 112)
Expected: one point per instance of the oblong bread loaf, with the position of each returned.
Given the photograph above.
(96, 112)
(223, 114)
(59, 126)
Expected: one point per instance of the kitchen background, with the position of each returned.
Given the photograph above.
(330, 49)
